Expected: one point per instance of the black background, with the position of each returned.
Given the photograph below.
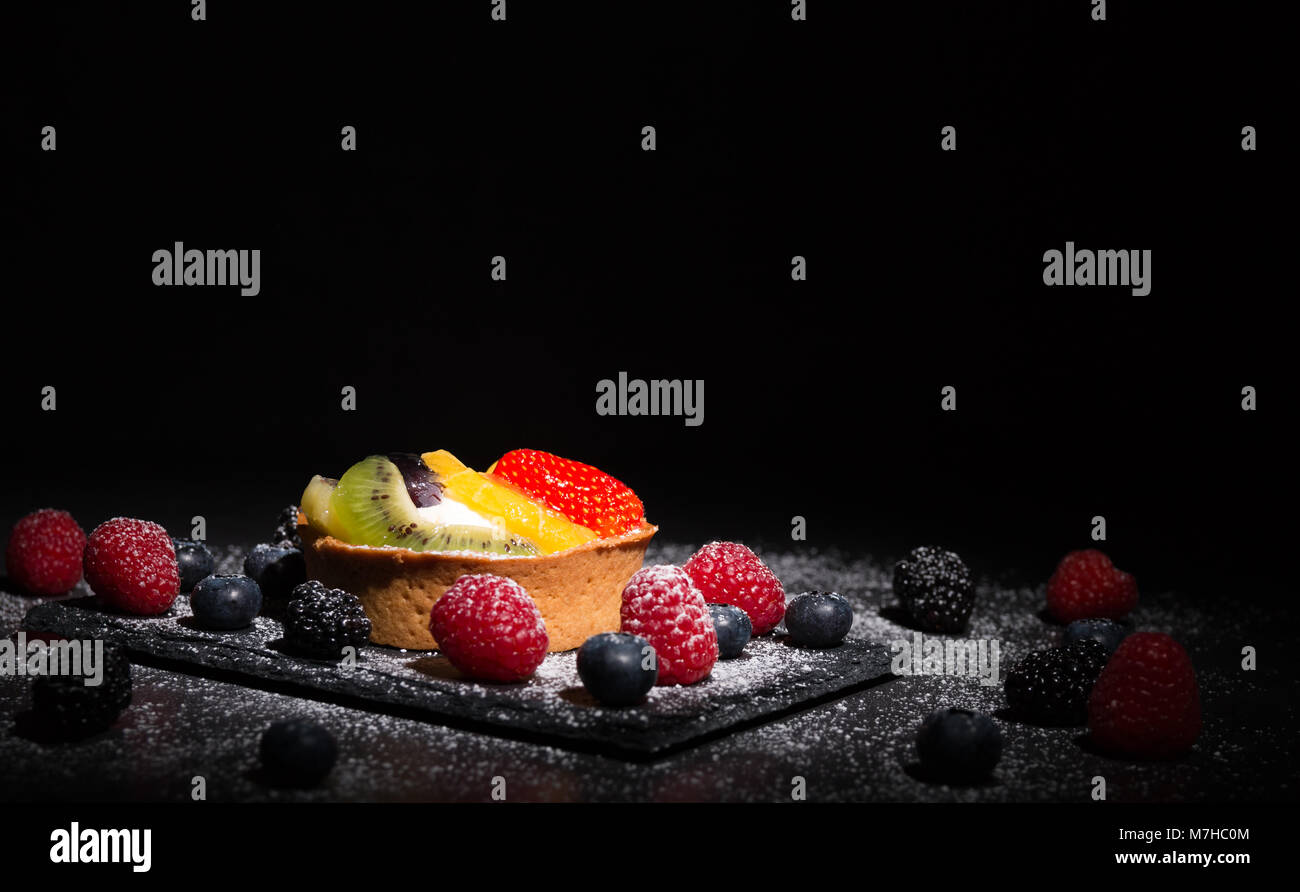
(775, 138)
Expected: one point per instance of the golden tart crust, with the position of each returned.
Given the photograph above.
(579, 590)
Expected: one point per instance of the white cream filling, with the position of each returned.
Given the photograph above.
(449, 511)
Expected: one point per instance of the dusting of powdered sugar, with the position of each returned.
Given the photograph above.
(851, 748)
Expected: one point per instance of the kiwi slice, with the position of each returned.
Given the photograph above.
(315, 503)
(462, 537)
(370, 505)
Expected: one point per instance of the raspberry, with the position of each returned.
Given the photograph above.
(585, 495)
(663, 606)
(1145, 703)
(1086, 585)
(70, 708)
(44, 552)
(319, 621)
(131, 565)
(936, 589)
(729, 573)
(489, 628)
(1052, 686)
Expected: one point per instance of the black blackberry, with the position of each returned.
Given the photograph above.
(286, 531)
(69, 708)
(1052, 686)
(319, 622)
(936, 588)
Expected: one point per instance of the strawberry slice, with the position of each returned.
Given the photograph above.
(585, 495)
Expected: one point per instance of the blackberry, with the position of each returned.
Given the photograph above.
(936, 589)
(72, 709)
(1052, 686)
(286, 531)
(319, 622)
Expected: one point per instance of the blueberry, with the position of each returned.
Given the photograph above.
(613, 666)
(226, 602)
(818, 619)
(958, 745)
(194, 560)
(276, 570)
(734, 629)
(1106, 631)
(297, 753)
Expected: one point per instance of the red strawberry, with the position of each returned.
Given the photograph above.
(585, 495)
(489, 628)
(131, 565)
(44, 552)
(1086, 585)
(729, 573)
(1145, 702)
(662, 606)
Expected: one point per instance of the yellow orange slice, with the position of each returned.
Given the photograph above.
(549, 530)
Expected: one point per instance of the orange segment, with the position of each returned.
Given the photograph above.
(549, 530)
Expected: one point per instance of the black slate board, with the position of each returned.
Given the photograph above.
(770, 679)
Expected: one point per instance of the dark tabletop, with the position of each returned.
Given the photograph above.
(859, 747)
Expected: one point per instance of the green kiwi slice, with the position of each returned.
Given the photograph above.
(370, 505)
(461, 537)
(315, 503)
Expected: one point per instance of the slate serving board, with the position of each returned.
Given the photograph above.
(772, 678)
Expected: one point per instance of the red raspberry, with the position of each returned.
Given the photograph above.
(1145, 702)
(44, 552)
(489, 628)
(662, 606)
(585, 495)
(1086, 585)
(131, 565)
(729, 573)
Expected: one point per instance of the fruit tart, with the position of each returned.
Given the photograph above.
(398, 530)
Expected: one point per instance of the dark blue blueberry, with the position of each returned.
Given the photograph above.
(818, 619)
(958, 745)
(226, 602)
(194, 561)
(297, 753)
(617, 668)
(733, 627)
(1105, 631)
(277, 570)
